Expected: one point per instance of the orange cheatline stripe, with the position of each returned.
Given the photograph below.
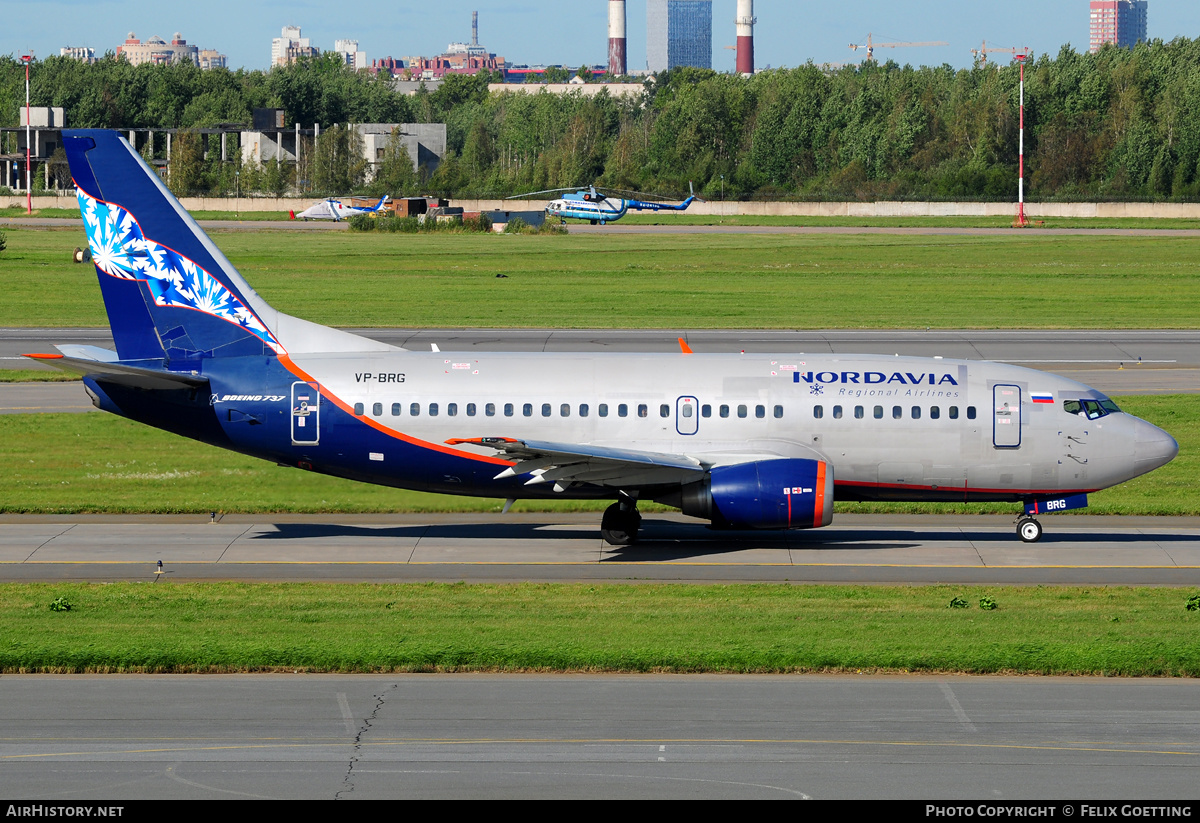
(44, 356)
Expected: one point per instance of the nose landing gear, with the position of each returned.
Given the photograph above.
(1029, 530)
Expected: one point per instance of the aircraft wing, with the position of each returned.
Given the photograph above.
(124, 374)
(564, 464)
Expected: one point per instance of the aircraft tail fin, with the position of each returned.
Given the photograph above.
(170, 293)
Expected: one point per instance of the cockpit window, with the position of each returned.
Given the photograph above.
(1091, 409)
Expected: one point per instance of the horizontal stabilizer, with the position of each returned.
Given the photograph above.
(124, 374)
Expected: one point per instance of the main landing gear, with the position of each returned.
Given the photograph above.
(1028, 529)
(620, 524)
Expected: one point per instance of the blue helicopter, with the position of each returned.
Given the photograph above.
(599, 208)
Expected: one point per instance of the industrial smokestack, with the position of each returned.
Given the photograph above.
(745, 37)
(616, 37)
(474, 28)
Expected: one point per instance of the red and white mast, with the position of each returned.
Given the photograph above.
(616, 38)
(1021, 221)
(745, 37)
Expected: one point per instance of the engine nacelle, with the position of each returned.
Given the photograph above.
(766, 494)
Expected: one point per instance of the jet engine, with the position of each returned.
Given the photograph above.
(765, 494)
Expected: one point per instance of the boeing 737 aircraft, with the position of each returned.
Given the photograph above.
(744, 441)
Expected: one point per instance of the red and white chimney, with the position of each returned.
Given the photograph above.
(745, 37)
(616, 37)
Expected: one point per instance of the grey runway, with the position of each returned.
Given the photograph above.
(987, 739)
(491, 547)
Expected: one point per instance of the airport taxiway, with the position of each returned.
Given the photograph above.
(491, 547)
(995, 741)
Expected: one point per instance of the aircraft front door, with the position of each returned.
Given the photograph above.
(306, 414)
(687, 415)
(1006, 417)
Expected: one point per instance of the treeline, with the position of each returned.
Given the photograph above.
(1109, 126)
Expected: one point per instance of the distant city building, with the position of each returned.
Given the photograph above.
(459, 58)
(348, 49)
(678, 33)
(157, 50)
(389, 65)
(81, 53)
(212, 59)
(1122, 22)
(290, 47)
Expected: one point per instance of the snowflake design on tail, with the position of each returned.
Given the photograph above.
(120, 250)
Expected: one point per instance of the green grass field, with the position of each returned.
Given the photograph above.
(70, 463)
(229, 627)
(675, 282)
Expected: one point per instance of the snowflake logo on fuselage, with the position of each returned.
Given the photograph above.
(816, 389)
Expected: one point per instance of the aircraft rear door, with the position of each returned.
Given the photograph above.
(687, 415)
(1006, 416)
(306, 413)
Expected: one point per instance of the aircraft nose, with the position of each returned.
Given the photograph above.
(1152, 447)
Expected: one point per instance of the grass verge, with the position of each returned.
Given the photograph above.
(37, 376)
(673, 281)
(234, 627)
(78, 463)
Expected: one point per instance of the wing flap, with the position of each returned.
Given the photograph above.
(565, 464)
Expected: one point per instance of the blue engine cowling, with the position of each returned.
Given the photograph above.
(766, 494)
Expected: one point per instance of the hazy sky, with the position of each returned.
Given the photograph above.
(789, 32)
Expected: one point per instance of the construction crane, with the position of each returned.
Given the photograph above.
(983, 51)
(871, 45)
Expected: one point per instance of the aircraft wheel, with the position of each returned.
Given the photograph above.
(1030, 531)
(619, 526)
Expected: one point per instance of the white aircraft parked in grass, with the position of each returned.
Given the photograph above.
(743, 441)
(331, 209)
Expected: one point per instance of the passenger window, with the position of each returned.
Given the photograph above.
(395, 410)
(545, 410)
(622, 410)
(470, 410)
(970, 412)
(377, 410)
(490, 409)
(897, 412)
(564, 410)
(916, 412)
(818, 412)
(724, 411)
(778, 412)
(583, 409)
(433, 409)
(879, 412)
(643, 410)
(760, 412)
(602, 410)
(527, 410)
(706, 410)
(858, 412)
(742, 411)
(415, 409)
(451, 409)
(358, 408)
(837, 412)
(508, 409)
(953, 412)
(664, 410)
